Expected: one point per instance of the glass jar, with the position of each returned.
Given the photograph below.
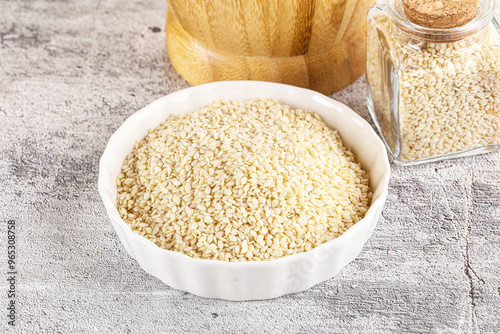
(433, 93)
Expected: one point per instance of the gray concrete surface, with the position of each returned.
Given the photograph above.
(72, 71)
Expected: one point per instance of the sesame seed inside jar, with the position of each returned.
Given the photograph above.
(446, 91)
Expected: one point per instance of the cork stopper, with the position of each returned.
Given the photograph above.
(440, 14)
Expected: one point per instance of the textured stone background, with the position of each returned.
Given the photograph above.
(72, 71)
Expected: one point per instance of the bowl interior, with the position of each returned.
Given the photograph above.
(356, 133)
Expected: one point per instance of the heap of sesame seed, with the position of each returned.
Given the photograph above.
(240, 181)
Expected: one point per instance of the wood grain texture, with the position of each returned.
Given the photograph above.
(317, 44)
(71, 72)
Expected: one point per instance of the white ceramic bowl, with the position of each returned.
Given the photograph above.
(247, 280)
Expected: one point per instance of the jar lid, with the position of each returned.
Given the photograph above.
(440, 14)
(435, 30)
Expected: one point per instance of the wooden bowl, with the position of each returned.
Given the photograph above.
(316, 44)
